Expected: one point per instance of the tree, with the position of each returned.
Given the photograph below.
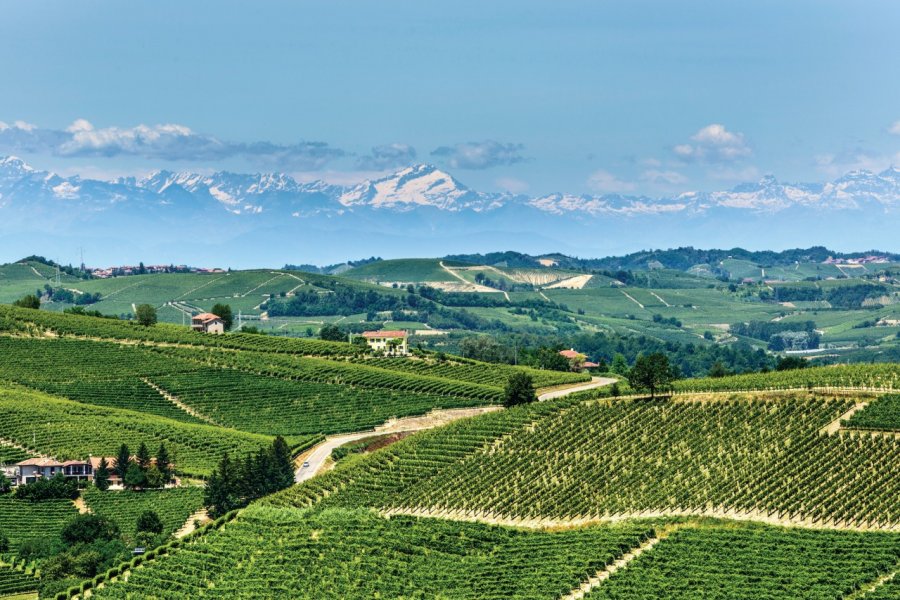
(282, 464)
(149, 522)
(88, 528)
(223, 311)
(332, 333)
(519, 390)
(718, 370)
(121, 462)
(153, 478)
(143, 457)
(163, 462)
(619, 364)
(651, 372)
(101, 475)
(220, 493)
(28, 301)
(5, 483)
(135, 477)
(145, 314)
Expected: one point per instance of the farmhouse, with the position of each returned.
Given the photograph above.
(577, 360)
(28, 471)
(208, 323)
(389, 342)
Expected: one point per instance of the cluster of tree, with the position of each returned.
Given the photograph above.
(606, 349)
(237, 482)
(28, 301)
(223, 311)
(855, 296)
(658, 318)
(67, 269)
(653, 373)
(519, 390)
(501, 284)
(781, 335)
(793, 293)
(139, 472)
(47, 488)
(348, 300)
(67, 296)
(334, 269)
(80, 310)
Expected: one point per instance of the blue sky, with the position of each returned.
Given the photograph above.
(635, 97)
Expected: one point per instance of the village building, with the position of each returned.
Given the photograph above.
(208, 323)
(32, 469)
(577, 360)
(388, 342)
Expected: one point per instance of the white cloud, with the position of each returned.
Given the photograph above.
(735, 174)
(513, 185)
(480, 155)
(659, 177)
(605, 182)
(714, 144)
(856, 159)
(894, 128)
(168, 141)
(387, 157)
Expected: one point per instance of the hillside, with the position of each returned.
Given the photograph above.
(588, 500)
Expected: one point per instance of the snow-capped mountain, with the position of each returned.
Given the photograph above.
(420, 185)
(420, 211)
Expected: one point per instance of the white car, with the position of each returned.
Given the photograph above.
(306, 465)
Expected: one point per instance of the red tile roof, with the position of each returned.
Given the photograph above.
(205, 317)
(570, 353)
(384, 334)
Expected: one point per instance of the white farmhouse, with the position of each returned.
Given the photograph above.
(388, 342)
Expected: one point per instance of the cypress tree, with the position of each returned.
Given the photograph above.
(143, 457)
(163, 463)
(101, 477)
(120, 465)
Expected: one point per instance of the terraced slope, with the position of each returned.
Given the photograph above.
(269, 552)
(756, 456)
(22, 520)
(173, 506)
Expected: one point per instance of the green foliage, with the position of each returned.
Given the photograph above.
(14, 582)
(753, 561)
(223, 311)
(884, 375)
(173, 506)
(358, 554)
(135, 477)
(332, 333)
(51, 488)
(149, 522)
(519, 390)
(652, 372)
(145, 314)
(101, 475)
(882, 414)
(88, 528)
(30, 301)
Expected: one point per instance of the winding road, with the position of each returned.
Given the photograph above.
(315, 460)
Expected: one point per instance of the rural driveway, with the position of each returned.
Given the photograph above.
(595, 382)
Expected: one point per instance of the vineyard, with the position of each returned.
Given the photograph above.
(494, 375)
(275, 406)
(15, 582)
(22, 520)
(878, 376)
(882, 414)
(70, 430)
(760, 455)
(752, 561)
(173, 506)
(269, 552)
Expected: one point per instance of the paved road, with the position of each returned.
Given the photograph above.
(316, 459)
(594, 383)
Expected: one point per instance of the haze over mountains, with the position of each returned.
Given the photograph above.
(244, 220)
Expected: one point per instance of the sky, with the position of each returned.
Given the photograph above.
(633, 97)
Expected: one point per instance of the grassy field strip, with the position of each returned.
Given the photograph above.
(835, 426)
(621, 563)
(277, 276)
(199, 287)
(13, 444)
(490, 518)
(660, 299)
(630, 297)
(179, 404)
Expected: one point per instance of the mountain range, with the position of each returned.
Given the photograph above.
(271, 218)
